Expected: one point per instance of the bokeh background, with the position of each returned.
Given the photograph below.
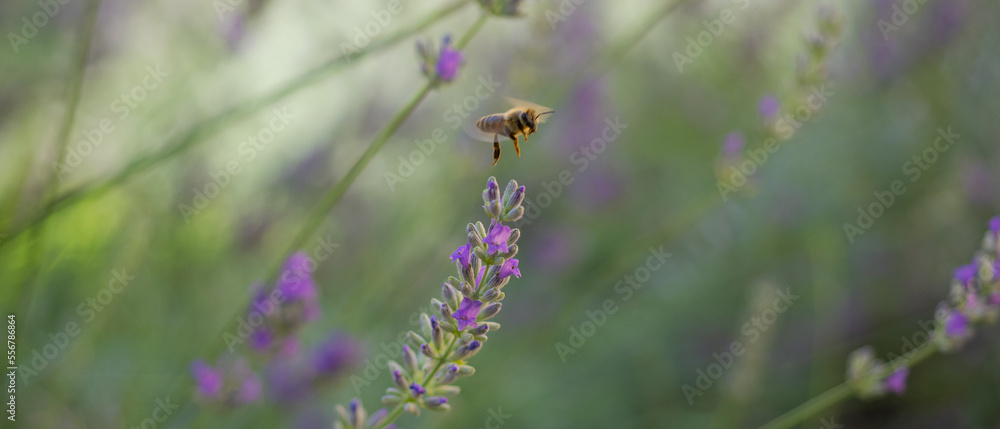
(655, 184)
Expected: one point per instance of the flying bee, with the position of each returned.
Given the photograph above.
(522, 119)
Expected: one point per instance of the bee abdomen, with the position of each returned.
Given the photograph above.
(491, 123)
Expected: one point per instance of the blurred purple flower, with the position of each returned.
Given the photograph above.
(957, 324)
(335, 354)
(467, 312)
(896, 382)
(995, 224)
(768, 107)
(509, 268)
(463, 254)
(250, 390)
(966, 273)
(448, 62)
(295, 281)
(417, 389)
(261, 338)
(497, 238)
(733, 145)
(208, 379)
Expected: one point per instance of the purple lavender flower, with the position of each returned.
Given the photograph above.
(995, 225)
(957, 325)
(768, 107)
(250, 390)
(896, 382)
(333, 355)
(732, 146)
(509, 268)
(295, 281)
(208, 379)
(448, 62)
(261, 338)
(463, 254)
(966, 273)
(467, 313)
(417, 389)
(497, 239)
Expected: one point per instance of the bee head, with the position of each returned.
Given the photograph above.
(528, 117)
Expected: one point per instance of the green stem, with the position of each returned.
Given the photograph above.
(214, 124)
(394, 414)
(843, 391)
(334, 195)
(51, 186)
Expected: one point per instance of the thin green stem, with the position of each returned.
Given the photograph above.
(51, 186)
(216, 123)
(394, 414)
(334, 195)
(843, 391)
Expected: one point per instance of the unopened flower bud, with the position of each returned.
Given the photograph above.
(490, 311)
(428, 351)
(482, 329)
(399, 379)
(412, 408)
(467, 351)
(415, 339)
(437, 403)
(410, 359)
(514, 215)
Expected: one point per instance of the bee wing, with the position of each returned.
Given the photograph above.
(475, 133)
(522, 103)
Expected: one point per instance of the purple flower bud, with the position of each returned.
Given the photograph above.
(208, 379)
(333, 355)
(896, 382)
(768, 107)
(732, 147)
(417, 389)
(966, 273)
(995, 225)
(957, 325)
(449, 60)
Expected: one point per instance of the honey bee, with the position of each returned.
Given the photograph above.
(523, 118)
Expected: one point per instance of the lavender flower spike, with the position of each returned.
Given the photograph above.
(446, 344)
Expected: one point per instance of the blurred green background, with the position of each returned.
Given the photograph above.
(654, 185)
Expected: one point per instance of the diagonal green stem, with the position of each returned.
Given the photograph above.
(212, 125)
(843, 391)
(334, 195)
(51, 186)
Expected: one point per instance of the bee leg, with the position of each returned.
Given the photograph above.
(496, 149)
(526, 132)
(517, 148)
